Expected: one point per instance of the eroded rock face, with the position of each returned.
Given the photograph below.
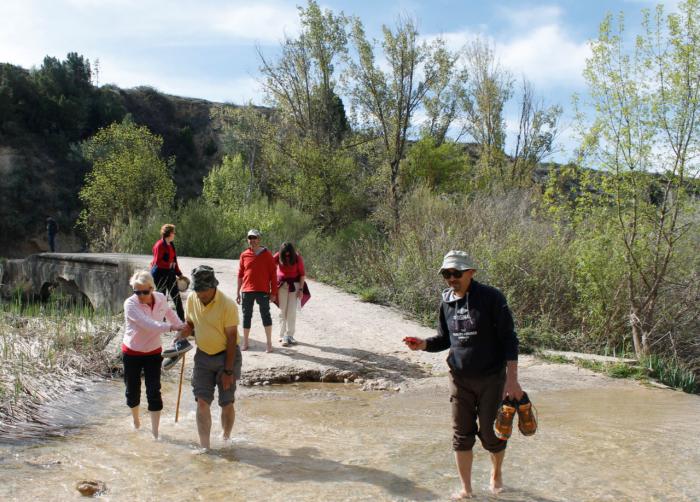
(91, 488)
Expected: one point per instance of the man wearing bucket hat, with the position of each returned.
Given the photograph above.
(217, 363)
(477, 326)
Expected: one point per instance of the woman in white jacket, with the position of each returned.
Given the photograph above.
(146, 316)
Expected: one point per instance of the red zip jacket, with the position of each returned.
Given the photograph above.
(257, 273)
(164, 256)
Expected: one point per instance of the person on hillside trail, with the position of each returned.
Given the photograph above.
(477, 326)
(257, 282)
(213, 317)
(144, 314)
(51, 231)
(164, 267)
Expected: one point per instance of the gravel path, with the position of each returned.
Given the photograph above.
(342, 339)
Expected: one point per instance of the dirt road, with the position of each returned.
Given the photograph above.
(343, 339)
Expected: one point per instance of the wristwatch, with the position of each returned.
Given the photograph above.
(228, 372)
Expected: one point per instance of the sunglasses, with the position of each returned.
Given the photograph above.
(252, 237)
(452, 273)
(140, 292)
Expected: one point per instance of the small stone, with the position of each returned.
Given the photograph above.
(257, 383)
(266, 382)
(297, 378)
(360, 381)
(90, 488)
(397, 389)
(346, 380)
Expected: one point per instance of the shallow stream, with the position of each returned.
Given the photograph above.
(335, 442)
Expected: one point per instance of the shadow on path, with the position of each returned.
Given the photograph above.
(358, 361)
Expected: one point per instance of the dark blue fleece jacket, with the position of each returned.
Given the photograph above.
(478, 329)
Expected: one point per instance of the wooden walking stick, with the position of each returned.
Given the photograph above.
(179, 389)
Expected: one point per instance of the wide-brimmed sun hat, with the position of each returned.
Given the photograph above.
(183, 283)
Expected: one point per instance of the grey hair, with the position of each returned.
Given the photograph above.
(143, 278)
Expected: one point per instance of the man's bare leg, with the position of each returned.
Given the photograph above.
(246, 334)
(135, 416)
(155, 423)
(496, 484)
(464, 461)
(228, 416)
(268, 335)
(203, 422)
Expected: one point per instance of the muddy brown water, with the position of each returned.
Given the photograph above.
(335, 442)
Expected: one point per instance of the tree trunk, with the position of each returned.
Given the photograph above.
(640, 337)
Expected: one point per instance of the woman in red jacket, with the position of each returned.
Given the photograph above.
(164, 268)
(291, 278)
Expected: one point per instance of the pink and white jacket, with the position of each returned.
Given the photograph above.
(143, 325)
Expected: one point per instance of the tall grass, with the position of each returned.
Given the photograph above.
(44, 350)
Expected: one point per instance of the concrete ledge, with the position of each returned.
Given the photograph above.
(571, 356)
(102, 279)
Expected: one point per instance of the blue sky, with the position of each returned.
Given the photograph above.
(206, 48)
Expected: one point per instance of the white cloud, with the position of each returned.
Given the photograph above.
(541, 48)
(266, 22)
(547, 56)
(531, 16)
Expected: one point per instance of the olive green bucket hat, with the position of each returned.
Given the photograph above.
(458, 260)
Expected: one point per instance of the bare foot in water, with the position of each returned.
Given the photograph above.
(135, 416)
(496, 485)
(269, 348)
(462, 495)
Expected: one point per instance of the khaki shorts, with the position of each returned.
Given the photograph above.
(475, 398)
(207, 375)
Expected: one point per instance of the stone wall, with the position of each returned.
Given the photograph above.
(101, 279)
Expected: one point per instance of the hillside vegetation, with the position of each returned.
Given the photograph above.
(46, 112)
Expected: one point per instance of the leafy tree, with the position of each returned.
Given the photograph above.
(245, 130)
(646, 137)
(488, 89)
(443, 167)
(227, 184)
(446, 92)
(537, 132)
(128, 176)
(387, 100)
(68, 89)
(300, 84)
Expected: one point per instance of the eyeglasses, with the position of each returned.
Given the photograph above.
(140, 292)
(452, 273)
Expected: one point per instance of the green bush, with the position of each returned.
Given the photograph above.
(671, 372)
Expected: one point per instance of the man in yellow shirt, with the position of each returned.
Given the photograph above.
(217, 363)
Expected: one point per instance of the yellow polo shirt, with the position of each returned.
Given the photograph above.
(210, 320)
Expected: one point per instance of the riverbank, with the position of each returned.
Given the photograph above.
(45, 353)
